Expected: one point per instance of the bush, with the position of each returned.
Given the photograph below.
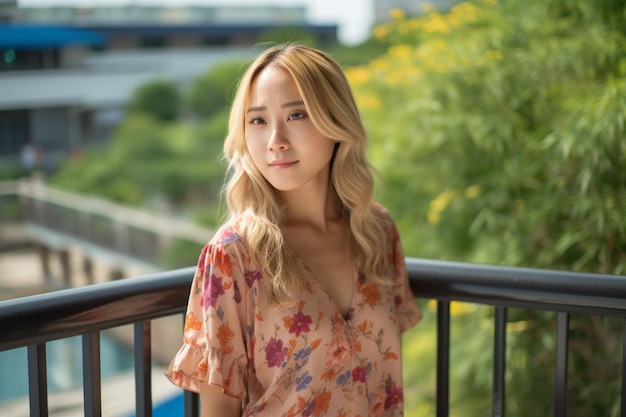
(213, 92)
(499, 130)
(158, 99)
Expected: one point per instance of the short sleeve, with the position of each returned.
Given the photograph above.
(214, 349)
(407, 310)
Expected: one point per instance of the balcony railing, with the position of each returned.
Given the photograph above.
(60, 216)
(35, 320)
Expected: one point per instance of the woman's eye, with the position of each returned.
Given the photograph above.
(256, 121)
(297, 115)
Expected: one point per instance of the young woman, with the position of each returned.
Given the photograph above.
(299, 300)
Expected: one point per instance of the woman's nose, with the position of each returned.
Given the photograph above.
(278, 140)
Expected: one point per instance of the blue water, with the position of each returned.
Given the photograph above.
(172, 407)
(65, 370)
(64, 365)
(169, 408)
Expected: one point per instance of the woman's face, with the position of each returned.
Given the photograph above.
(285, 145)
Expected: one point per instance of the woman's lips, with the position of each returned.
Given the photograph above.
(282, 164)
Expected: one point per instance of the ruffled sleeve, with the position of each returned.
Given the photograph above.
(407, 310)
(214, 347)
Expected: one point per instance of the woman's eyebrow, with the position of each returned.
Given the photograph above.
(288, 104)
(293, 104)
(255, 108)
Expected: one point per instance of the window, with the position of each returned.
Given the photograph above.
(14, 132)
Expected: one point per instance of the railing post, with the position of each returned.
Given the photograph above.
(622, 412)
(92, 389)
(443, 358)
(37, 380)
(190, 404)
(143, 369)
(499, 361)
(560, 383)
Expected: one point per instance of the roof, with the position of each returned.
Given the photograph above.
(32, 36)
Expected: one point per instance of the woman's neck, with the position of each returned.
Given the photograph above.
(316, 210)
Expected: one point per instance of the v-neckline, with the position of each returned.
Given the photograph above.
(355, 276)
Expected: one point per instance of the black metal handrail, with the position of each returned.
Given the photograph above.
(32, 321)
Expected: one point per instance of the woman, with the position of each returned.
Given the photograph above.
(299, 300)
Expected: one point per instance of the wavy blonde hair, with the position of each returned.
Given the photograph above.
(331, 106)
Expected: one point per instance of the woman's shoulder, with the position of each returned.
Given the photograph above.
(379, 208)
(227, 249)
(227, 240)
(226, 234)
(382, 214)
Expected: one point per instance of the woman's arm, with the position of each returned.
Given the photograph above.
(214, 403)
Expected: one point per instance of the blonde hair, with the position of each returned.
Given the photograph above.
(329, 101)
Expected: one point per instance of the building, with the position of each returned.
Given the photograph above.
(66, 73)
(7, 10)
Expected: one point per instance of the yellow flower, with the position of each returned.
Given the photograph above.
(379, 64)
(517, 326)
(397, 13)
(464, 8)
(438, 205)
(472, 191)
(433, 217)
(369, 102)
(457, 308)
(493, 55)
(414, 24)
(436, 24)
(380, 32)
(464, 11)
(400, 77)
(358, 75)
(400, 50)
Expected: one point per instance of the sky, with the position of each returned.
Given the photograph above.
(353, 17)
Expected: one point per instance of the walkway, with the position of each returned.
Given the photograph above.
(47, 217)
(118, 398)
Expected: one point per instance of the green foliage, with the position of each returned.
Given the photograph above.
(13, 172)
(158, 99)
(213, 91)
(519, 133)
(10, 209)
(181, 254)
(361, 54)
(146, 159)
(499, 130)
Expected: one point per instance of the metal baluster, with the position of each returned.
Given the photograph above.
(143, 369)
(443, 358)
(499, 362)
(37, 380)
(623, 396)
(560, 384)
(92, 389)
(190, 401)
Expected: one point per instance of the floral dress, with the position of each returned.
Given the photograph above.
(304, 360)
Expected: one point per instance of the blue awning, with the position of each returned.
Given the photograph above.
(16, 36)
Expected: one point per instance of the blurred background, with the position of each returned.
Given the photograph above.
(498, 127)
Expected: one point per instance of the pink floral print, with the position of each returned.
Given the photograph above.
(304, 360)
